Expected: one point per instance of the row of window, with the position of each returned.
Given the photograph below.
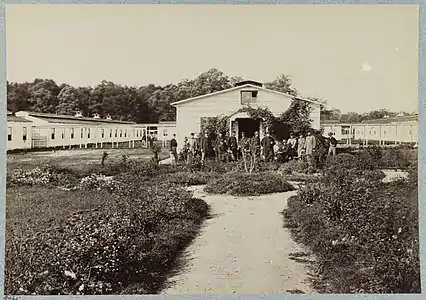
(116, 134)
(345, 130)
(9, 133)
(72, 133)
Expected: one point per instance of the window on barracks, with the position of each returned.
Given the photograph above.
(88, 133)
(52, 133)
(72, 133)
(9, 133)
(103, 133)
(24, 134)
(125, 132)
(116, 132)
(121, 132)
(346, 129)
(82, 132)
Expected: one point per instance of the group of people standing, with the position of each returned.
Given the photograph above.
(232, 149)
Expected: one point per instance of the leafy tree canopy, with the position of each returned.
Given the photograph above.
(142, 104)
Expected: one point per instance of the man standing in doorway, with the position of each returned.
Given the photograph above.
(268, 147)
(233, 145)
(173, 147)
(333, 144)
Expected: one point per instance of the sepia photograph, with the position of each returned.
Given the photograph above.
(211, 149)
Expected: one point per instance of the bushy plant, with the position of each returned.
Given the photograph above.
(98, 182)
(44, 175)
(363, 231)
(132, 238)
(294, 166)
(243, 184)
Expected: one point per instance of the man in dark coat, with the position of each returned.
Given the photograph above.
(332, 144)
(173, 147)
(268, 147)
(204, 146)
(233, 145)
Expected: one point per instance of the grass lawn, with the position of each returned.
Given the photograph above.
(74, 158)
(32, 209)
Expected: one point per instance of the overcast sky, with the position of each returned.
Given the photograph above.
(357, 58)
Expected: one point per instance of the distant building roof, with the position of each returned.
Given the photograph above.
(409, 118)
(326, 122)
(12, 118)
(65, 119)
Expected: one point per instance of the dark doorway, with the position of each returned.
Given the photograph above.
(248, 126)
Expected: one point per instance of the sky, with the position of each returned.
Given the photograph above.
(356, 57)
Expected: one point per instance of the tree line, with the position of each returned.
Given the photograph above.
(141, 104)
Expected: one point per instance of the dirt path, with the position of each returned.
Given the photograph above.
(242, 249)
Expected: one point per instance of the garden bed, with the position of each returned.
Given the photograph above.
(106, 237)
(254, 184)
(364, 232)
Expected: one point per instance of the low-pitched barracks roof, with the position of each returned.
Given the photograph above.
(64, 119)
(393, 120)
(12, 118)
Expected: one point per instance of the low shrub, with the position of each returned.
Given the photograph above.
(294, 166)
(129, 239)
(98, 182)
(364, 232)
(46, 175)
(243, 184)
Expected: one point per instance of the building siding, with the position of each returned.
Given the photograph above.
(407, 132)
(17, 135)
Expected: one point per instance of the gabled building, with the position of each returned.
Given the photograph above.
(191, 112)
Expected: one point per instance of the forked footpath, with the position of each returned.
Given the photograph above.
(243, 249)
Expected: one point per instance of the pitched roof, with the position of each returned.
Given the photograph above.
(12, 118)
(237, 88)
(392, 120)
(54, 118)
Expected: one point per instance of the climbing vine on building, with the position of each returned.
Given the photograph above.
(295, 119)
